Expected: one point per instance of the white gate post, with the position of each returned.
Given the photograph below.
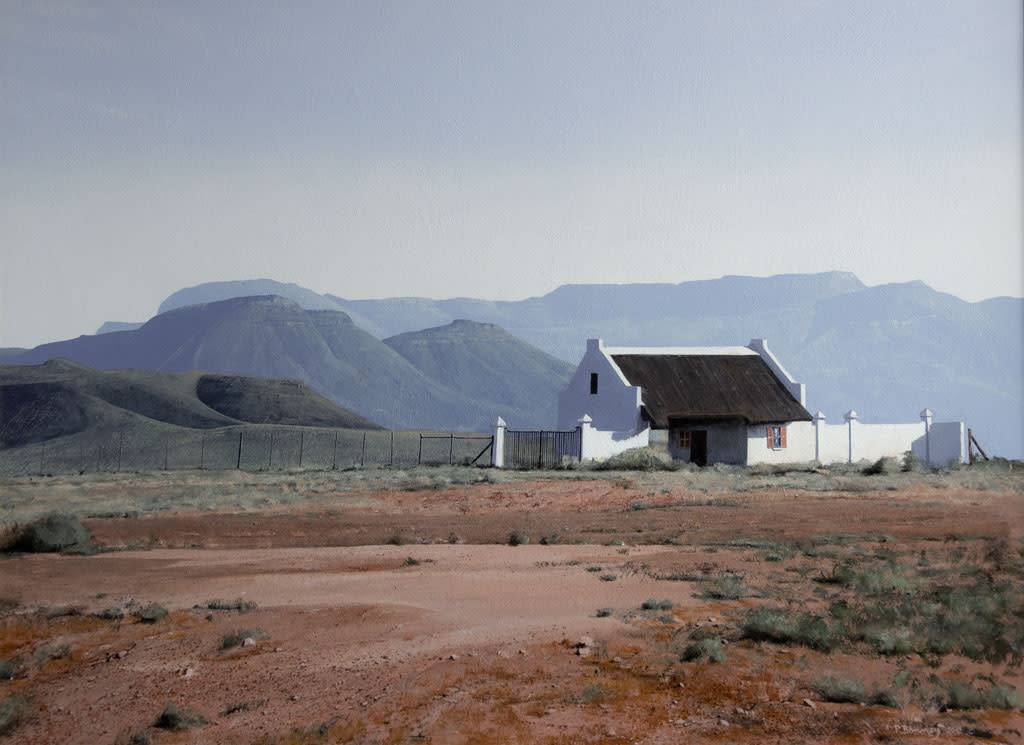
(926, 417)
(819, 427)
(498, 448)
(851, 419)
(586, 430)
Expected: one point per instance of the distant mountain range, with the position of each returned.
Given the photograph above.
(886, 351)
(461, 377)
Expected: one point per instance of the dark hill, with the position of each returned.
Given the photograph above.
(275, 338)
(61, 398)
(274, 401)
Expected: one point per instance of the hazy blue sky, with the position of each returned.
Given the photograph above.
(498, 149)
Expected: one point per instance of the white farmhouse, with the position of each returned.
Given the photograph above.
(718, 404)
(734, 405)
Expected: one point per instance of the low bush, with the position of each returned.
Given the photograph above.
(49, 534)
(729, 587)
(242, 707)
(883, 467)
(13, 711)
(177, 719)
(237, 638)
(518, 538)
(242, 606)
(604, 612)
(783, 627)
(711, 650)
(151, 613)
(9, 668)
(840, 690)
(653, 604)
(637, 459)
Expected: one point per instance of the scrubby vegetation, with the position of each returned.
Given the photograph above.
(237, 638)
(50, 533)
(177, 719)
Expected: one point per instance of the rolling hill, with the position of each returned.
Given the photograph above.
(274, 337)
(60, 398)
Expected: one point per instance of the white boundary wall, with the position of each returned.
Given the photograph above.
(596, 444)
(937, 444)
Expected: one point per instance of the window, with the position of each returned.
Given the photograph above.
(684, 440)
(776, 436)
(593, 384)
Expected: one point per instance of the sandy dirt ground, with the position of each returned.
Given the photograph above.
(402, 616)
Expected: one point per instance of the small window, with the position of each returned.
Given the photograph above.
(593, 384)
(683, 439)
(776, 436)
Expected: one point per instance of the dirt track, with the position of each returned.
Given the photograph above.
(441, 640)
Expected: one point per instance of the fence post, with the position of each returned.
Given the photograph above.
(419, 455)
(498, 447)
(42, 452)
(238, 463)
(202, 452)
(167, 447)
(270, 455)
(302, 442)
(391, 456)
(334, 458)
(362, 453)
(851, 418)
(583, 424)
(819, 431)
(451, 446)
(120, 447)
(926, 417)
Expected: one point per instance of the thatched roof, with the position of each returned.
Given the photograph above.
(708, 387)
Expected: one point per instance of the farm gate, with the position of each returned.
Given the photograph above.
(540, 448)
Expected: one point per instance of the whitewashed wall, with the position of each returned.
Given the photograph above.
(597, 444)
(799, 444)
(616, 405)
(937, 444)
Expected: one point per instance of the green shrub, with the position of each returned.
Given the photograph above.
(883, 467)
(637, 459)
(594, 693)
(518, 538)
(9, 668)
(806, 629)
(608, 577)
(604, 612)
(13, 711)
(840, 690)
(653, 604)
(236, 638)
(152, 613)
(711, 650)
(242, 606)
(176, 719)
(729, 587)
(243, 706)
(53, 651)
(111, 614)
(53, 532)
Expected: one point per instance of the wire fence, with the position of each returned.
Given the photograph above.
(259, 448)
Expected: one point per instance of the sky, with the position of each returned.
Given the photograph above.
(498, 149)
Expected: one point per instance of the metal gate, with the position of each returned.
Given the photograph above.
(540, 448)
